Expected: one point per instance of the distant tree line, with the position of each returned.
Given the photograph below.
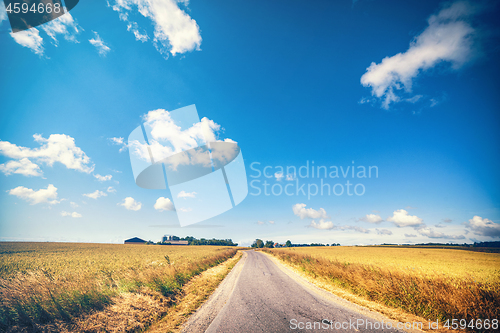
(201, 241)
(259, 243)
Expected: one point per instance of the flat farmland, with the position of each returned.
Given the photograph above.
(55, 283)
(433, 283)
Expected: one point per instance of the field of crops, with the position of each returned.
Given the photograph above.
(436, 284)
(42, 283)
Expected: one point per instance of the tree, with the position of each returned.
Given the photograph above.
(258, 243)
(288, 243)
(269, 244)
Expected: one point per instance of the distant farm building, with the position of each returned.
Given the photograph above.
(135, 240)
(173, 240)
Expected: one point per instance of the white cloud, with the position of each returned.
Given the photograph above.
(448, 38)
(279, 176)
(167, 139)
(29, 38)
(101, 47)
(96, 194)
(483, 227)
(290, 177)
(429, 232)
(183, 194)
(164, 204)
(111, 189)
(383, 232)
(322, 224)
(57, 148)
(48, 195)
(119, 142)
(103, 178)
(271, 222)
(23, 167)
(261, 222)
(371, 218)
(74, 214)
(3, 14)
(302, 212)
(185, 210)
(401, 218)
(174, 30)
(130, 204)
(355, 228)
(64, 25)
(73, 204)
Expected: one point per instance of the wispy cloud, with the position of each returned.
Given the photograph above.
(96, 194)
(73, 215)
(99, 44)
(448, 38)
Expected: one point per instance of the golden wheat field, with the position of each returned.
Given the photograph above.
(479, 266)
(436, 284)
(46, 283)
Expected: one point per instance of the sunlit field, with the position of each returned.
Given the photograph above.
(42, 283)
(431, 283)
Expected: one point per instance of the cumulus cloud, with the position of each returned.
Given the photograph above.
(168, 138)
(183, 194)
(483, 227)
(31, 39)
(175, 32)
(102, 178)
(48, 195)
(96, 194)
(371, 218)
(429, 232)
(447, 38)
(99, 44)
(279, 176)
(59, 148)
(23, 167)
(401, 218)
(383, 232)
(271, 222)
(74, 214)
(290, 177)
(73, 204)
(322, 225)
(164, 204)
(301, 211)
(111, 189)
(131, 204)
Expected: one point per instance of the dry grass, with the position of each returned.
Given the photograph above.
(44, 285)
(430, 294)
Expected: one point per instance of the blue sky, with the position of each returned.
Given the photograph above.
(409, 87)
